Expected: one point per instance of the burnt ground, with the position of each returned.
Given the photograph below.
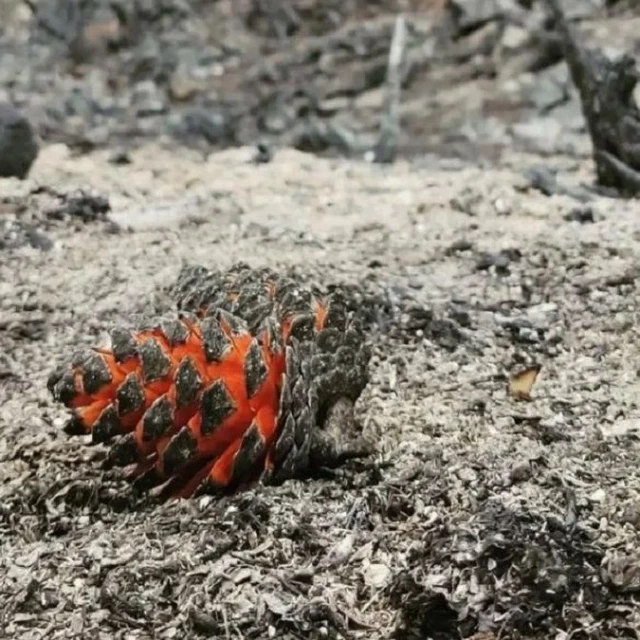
(477, 513)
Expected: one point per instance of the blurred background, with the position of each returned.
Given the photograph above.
(479, 76)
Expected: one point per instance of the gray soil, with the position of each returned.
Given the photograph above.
(479, 515)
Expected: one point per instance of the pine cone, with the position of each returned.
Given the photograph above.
(255, 379)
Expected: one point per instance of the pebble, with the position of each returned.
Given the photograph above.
(581, 214)
(263, 154)
(520, 472)
(631, 514)
(18, 147)
(39, 240)
(182, 86)
(120, 156)
(149, 99)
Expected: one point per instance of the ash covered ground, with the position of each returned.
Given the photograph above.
(479, 516)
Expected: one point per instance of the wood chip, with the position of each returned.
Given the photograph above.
(521, 383)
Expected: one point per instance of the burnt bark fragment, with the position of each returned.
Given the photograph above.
(612, 115)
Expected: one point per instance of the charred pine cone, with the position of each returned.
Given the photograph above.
(255, 379)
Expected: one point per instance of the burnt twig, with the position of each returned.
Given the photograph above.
(385, 149)
(613, 118)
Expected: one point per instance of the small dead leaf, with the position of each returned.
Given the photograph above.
(521, 383)
(621, 428)
(28, 559)
(376, 575)
(623, 572)
(203, 622)
(341, 552)
(275, 605)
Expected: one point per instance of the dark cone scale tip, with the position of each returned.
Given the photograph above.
(237, 387)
